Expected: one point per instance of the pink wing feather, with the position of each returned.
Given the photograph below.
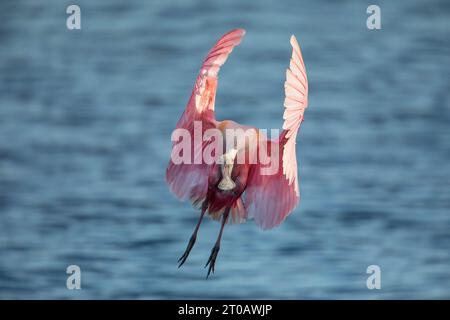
(269, 199)
(191, 180)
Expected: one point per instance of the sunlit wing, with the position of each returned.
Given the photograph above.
(201, 102)
(190, 181)
(269, 199)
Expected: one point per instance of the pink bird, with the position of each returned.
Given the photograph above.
(227, 189)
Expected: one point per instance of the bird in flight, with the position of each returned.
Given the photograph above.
(234, 187)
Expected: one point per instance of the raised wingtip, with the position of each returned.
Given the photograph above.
(295, 45)
(236, 32)
(239, 31)
(293, 41)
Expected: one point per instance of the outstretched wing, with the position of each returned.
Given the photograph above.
(190, 180)
(295, 103)
(201, 102)
(269, 198)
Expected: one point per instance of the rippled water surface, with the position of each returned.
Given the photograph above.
(85, 124)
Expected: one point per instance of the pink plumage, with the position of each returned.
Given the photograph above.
(230, 190)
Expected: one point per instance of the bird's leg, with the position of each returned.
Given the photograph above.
(193, 237)
(215, 250)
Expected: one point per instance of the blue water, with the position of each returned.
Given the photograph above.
(85, 124)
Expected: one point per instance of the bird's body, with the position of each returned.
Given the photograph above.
(219, 198)
(235, 172)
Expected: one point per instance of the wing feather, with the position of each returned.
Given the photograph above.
(269, 199)
(296, 91)
(190, 180)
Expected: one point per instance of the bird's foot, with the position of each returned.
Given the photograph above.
(212, 259)
(188, 250)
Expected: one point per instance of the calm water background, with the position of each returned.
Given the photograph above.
(85, 124)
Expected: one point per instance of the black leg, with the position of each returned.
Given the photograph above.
(193, 237)
(215, 250)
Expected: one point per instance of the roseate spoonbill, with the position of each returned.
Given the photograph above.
(228, 190)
